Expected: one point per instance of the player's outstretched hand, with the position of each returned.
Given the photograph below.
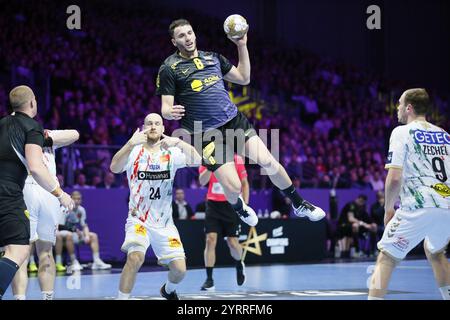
(240, 42)
(177, 112)
(66, 201)
(168, 142)
(139, 137)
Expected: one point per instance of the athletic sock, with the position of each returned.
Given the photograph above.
(47, 295)
(73, 257)
(8, 269)
(20, 297)
(96, 257)
(123, 296)
(239, 264)
(238, 206)
(292, 194)
(58, 259)
(445, 292)
(209, 272)
(374, 298)
(170, 287)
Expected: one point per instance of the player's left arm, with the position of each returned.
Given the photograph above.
(394, 164)
(392, 192)
(241, 73)
(62, 138)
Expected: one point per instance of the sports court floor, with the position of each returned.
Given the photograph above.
(412, 280)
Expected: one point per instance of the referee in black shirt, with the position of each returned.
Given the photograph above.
(21, 141)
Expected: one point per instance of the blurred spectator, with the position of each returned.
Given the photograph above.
(108, 181)
(181, 210)
(81, 182)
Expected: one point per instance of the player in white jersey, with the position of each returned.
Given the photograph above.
(45, 213)
(151, 164)
(419, 168)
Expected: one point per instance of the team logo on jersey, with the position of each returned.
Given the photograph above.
(431, 137)
(196, 85)
(164, 158)
(140, 230)
(389, 158)
(150, 175)
(442, 189)
(154, 167)
(174, 243)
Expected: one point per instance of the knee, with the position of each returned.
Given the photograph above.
(93, 236)
(233, 186)
(211, 240)
(135, 260)
(433, 256)
(178, 271)
(387, 260)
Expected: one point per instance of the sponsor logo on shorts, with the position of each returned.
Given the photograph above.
(148, 175)
(140, 230)
(27, 214)
(401, 243)
(174, 243)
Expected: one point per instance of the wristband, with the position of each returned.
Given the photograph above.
(57, 192)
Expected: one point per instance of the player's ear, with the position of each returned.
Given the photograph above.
(173, 42)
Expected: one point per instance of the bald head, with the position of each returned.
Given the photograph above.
(20, 97)
(154, 123)
(153, 117)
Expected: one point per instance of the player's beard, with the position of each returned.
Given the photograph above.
(151, 140)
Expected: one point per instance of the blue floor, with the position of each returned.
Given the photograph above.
(412, 280)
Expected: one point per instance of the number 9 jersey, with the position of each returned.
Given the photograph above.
(150, 179)
(422, 150)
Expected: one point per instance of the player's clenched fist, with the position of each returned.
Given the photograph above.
(139, 137)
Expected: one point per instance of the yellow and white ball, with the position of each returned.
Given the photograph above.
(235, 26)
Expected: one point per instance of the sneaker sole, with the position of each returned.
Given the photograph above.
(213, 288)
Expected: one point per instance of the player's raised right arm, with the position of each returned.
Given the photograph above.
(170, 111)
(120, 159)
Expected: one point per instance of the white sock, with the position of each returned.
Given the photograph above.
(58, 259)
(445, 292)
(96, 257)
(47, 295)
(20, 297)
(73, 257)
(32, 259)
(374, 298)
(123, 296)
(170, 287)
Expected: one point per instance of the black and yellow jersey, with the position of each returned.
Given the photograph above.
(197, 84)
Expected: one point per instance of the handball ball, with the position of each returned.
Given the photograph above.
(235, 26)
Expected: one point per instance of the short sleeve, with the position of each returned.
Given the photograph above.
(35, 135)
(240, 167)
(178, 158)
(225, 64)
(396, 155)
(165, 82)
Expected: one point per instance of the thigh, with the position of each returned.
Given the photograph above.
(215, 152)
(166, 244)
(405, 231)
(438, 236)
(227, 175)
(257, 151)
(136, 236)
(47, 223)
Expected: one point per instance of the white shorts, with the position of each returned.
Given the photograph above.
(408, 228)
(45, 212)
(76, 239)
(165, 242)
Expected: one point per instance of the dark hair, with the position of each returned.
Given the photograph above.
(419, 99)
(362, 196)
(177, 23)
